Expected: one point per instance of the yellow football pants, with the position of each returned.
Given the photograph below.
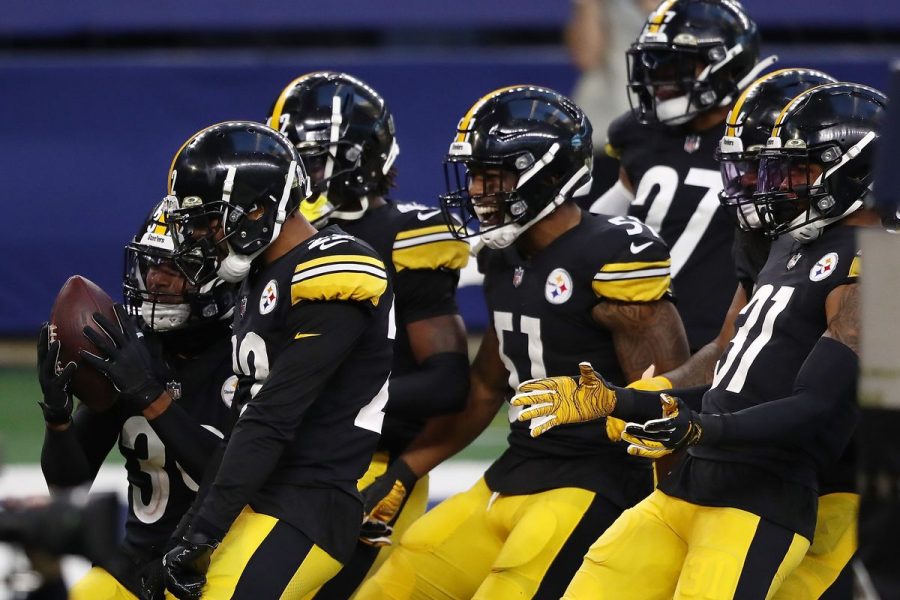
(833, 545)
(666, 548)
(262, 557)
(484, 546)
(366, 560)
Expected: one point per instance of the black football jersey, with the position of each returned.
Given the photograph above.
(676, 181)
(159, 490)
(423, 260)
(540, 308)
(774, 334)
(312, 342)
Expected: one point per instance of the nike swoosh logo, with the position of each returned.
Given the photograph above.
(327, 245)
(424, 216)
(637, 248)
(300, 336)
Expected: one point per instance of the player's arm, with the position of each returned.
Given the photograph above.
(270, 419)
(822, 405)
(426, 307)
(136, 372)
(74, 446)
(698, 369)
(441, 438)
(444, 436)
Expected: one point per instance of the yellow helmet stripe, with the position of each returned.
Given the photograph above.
(467, 119)
(282, 98)
(169, 187)
(731, 125)
(776, 129)
(659, 15)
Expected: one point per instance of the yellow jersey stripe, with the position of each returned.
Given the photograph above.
(411, 233)
(611, 151)
(447, 254)
(635, 266)
(855, 267)
(466, 121)
(633, 290)
(732, 124)
(337, 258)
(341, 285)
(339, 267)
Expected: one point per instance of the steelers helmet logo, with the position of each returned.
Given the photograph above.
(558, 288)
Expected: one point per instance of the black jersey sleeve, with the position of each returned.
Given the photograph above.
(635, 265)
(322, 334)
(823, 400)
(190, 442)
(425, 293)
(619, 135)
(72, 457)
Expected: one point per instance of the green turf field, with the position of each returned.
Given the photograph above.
(21, 425)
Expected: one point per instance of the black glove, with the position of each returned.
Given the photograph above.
(186, 565)
(57, 401)
(382, 501)
(129, 365)
(152, 580)
(679, 428)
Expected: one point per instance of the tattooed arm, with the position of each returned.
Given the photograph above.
(644, 334)
(698, 370)
(843, 314)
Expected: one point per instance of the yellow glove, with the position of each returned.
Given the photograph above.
(647, 382)
(561, 400)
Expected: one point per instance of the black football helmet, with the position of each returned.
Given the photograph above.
(345, 134)
(531, 149)
(691, 56)
(244, 178)
(817, 166)
(157, 291)
(747, 129)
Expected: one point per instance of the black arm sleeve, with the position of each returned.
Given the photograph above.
(190, 442)
(439, 386)
(271, 418)
(824, 397)
(72, 457)
(425, 293)
(641, 406)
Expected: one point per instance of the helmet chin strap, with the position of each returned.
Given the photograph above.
(235, 267)
(505, 235)
(353, 215)
(165, 317)
(811, 231)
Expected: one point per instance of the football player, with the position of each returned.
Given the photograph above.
(686, 68)
(345, 135)
(737, 516)
(167, 433)
(312, 350)
(559, 282)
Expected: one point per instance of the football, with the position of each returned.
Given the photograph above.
(78, 299)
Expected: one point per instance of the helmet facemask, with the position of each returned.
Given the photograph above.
(739, 170)
(157, 289)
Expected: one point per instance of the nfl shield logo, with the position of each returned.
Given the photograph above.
(691, 143)
(243, 307)
(518, 274)
(174, 389)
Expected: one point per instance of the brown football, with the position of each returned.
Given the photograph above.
(78, 299)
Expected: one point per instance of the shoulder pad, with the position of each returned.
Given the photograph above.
(339, 267)
(427, 242)
(638, 266)
(620, 134)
